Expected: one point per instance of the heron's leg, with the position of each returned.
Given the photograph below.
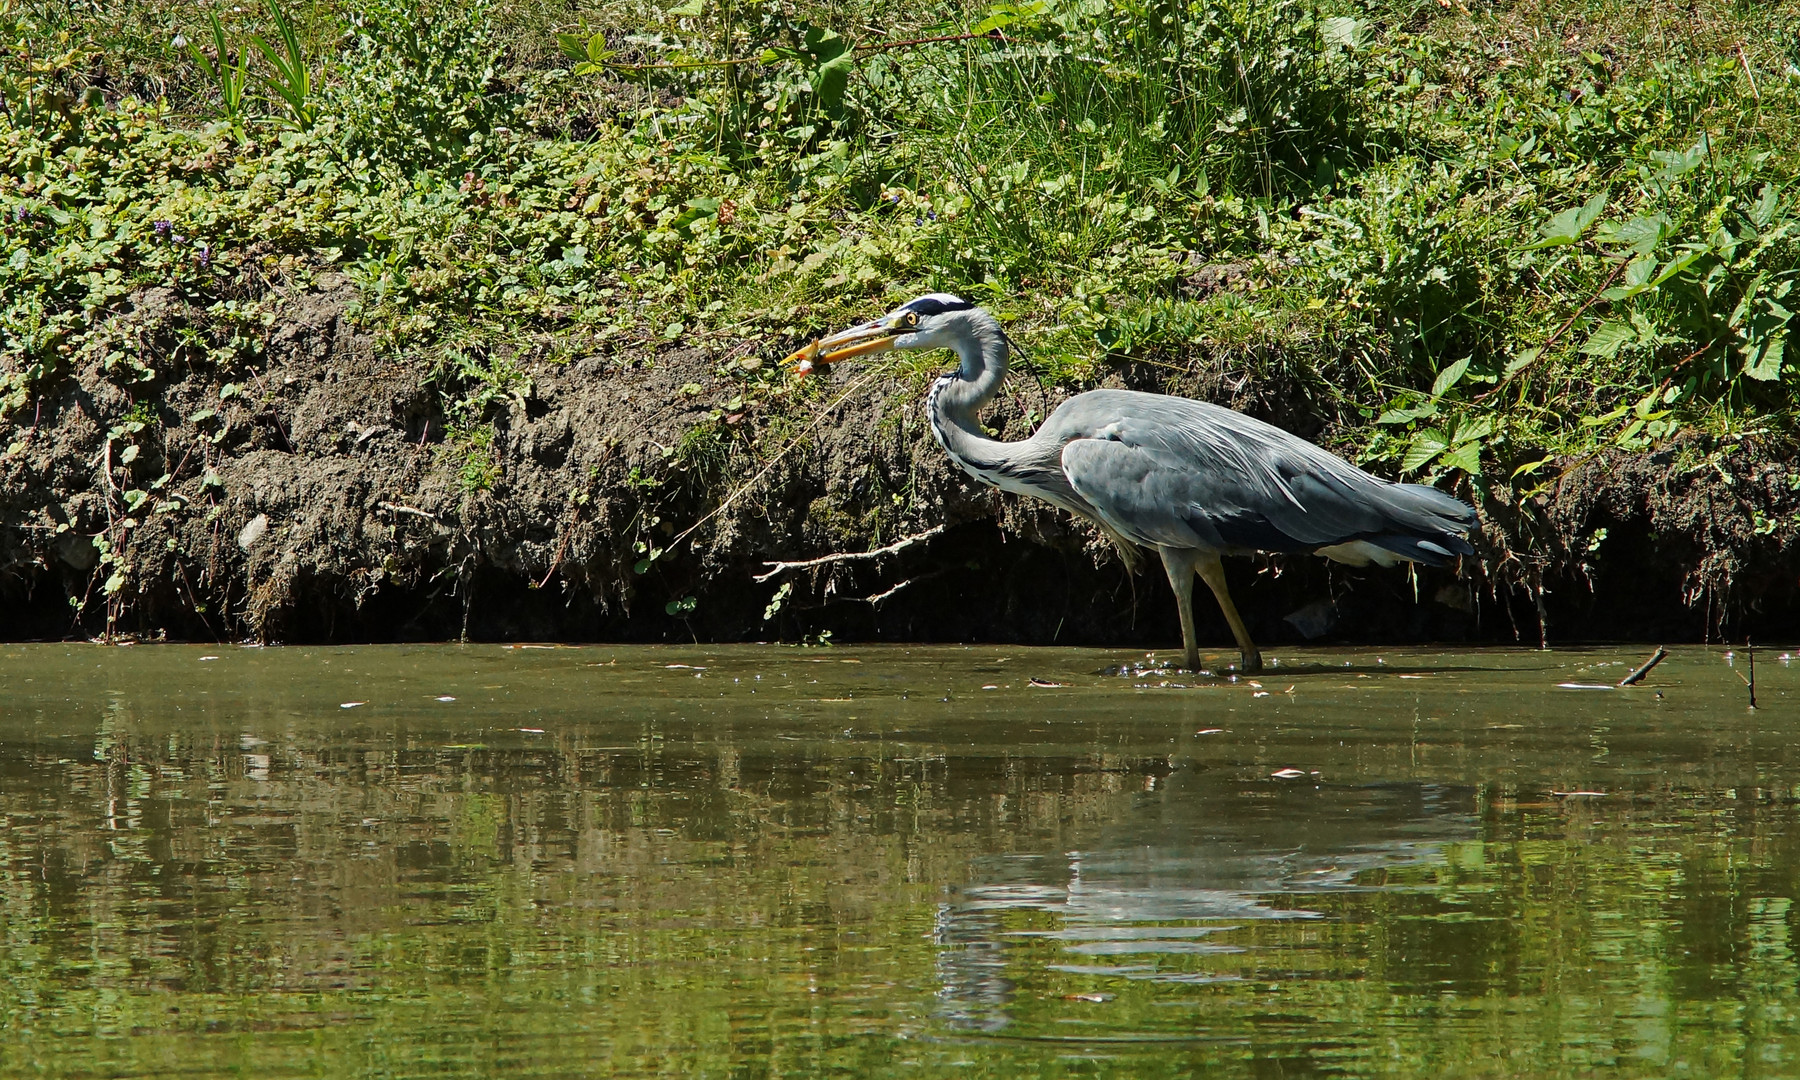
(1179, 562)
(1212, 571)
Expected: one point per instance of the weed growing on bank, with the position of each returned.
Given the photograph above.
(1466, 244)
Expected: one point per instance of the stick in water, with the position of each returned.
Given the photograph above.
(1752, 654)
(1644, 669)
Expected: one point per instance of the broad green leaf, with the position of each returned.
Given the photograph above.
(1523, 359)
(1677, 165)
(1472, 430)
(572, 46)
(1609, 339)
(1607, 418)
(1001, 16)
(1640, 234)
(1466, 457)
(831, 81)
(1342, 30)
(689, 8)
(1567, 227)
(1428, 445)
(697, 210)
(1763, 211)
(1422, 411)
(1675, 266)
(1449, 377)
(1765, 342)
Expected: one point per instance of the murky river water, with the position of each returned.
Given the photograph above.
(763, 861)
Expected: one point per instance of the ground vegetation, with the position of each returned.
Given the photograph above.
(407, 319)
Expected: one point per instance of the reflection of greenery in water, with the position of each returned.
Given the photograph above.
(210, 868)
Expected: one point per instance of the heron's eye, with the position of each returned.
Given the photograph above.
(910, 319)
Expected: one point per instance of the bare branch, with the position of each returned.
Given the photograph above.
(875, 601)
(396, 508)
(851, 556)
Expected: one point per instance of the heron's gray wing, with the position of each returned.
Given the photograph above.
(1182, 473)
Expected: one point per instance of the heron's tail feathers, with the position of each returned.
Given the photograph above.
(1424, 525)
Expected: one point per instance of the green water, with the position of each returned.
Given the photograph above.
(764, 861)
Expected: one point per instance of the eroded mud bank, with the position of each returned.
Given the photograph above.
(324, 497)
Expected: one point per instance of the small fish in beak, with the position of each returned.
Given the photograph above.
(874, 336)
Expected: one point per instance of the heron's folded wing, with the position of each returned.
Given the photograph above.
(1160, 482)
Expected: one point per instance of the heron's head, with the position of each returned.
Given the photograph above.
(933, 321)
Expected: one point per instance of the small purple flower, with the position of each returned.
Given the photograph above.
(205, 255)
(178, 238)
(918, 221)
(19, 214)
(932, 215)
(162, 228)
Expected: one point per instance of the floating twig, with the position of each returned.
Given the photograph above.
(1643, 669)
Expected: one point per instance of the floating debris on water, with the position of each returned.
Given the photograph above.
(1047, 684)
(1287, 774)
(1581, 686)
(445, 697)
(352, 704)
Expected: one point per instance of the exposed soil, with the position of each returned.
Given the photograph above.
(324, 504)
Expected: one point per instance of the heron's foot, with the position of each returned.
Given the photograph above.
(1252, 662)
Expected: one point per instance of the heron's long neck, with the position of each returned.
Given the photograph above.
(956, 401)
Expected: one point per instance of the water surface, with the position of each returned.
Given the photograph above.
(764, 861)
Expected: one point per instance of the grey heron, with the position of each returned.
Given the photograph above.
(1191, 479)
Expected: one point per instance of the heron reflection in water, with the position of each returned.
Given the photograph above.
(1193, 480)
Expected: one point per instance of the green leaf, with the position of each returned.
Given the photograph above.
(1426, 446)
(1449, 377)
(697, 210)
(1001, 16)
(1466, 457)
(1677, 165)
(689, 8)
(1471, 430)
(1567, 227)
(1424, 410)
(1343, 31)
(1523, 359)
(1640, 234)
(1764, 347)
(572, 46)
(1612, 336)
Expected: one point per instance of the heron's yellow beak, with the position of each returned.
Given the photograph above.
(871, 337)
